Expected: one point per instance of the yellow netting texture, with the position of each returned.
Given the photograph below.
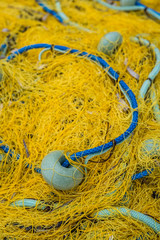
(65, 102)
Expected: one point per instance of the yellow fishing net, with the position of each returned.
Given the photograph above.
(65, 102)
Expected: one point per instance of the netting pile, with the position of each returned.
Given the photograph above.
(65, 102)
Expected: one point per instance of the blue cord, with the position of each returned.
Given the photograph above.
(27, 48)
(52, 12)
(115, 76)
(145, 173)
(127, 91)
(60, 16)
(3, 46)
(5, 148)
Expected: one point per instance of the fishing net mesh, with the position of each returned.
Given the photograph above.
(66, 102)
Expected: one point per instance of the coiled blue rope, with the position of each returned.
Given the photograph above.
(114, 75)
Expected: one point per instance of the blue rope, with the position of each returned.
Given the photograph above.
(27, 48)
(60, 16)
(145, 173)
(6, 149)
(3, 46)
(115, 76)
(52, 12)
(64, 49)
(36, 169)
(127, 91)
